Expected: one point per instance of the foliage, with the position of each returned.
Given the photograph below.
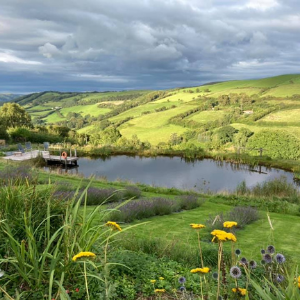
(13, 115)
(277, 144)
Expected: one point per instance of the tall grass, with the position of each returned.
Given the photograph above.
(39, 236)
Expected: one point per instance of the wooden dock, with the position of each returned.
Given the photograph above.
(49, 159)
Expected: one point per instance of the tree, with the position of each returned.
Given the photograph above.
(13, 115)
(241, 138)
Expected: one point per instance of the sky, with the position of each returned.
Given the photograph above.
(101, 45)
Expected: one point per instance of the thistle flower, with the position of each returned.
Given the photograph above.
(238, 252)
(252, 264)
(271, 249)
(280, 258)
(279, 278)
(262, 251)
(181, 280)
(267, 258)
(235, 272)
(215, 275)
(182, 288)
(244, 261)
(83, 255)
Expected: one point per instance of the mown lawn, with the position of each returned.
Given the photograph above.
(250, 240)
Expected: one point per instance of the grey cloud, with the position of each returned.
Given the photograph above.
(146, 44)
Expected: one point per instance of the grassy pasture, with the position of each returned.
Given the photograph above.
(291, 115)
(185, 97)
(84, 110)
(206, 116)
(154, 129)
(137, 111)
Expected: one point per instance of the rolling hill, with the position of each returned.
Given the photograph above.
(193, 113)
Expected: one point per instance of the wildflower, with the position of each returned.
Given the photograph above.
(271, 249)
(279, 278)
(267, 258)
(83, 255)
(159, 291)
(262, 251)
(244, 261)
(223, 235)
(235, 272)
(280, 258)
(67, 291)
(215, 275)
(241, 291)
(161, 278)
(252, 264)
(153, 281)
(238, 252)
(229, 224)
(197, 226)
(182, 280)
(113, 225)
(182, 288)
(1, 273)
(200, 270)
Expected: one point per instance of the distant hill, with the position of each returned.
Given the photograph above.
(8, 97)
(192, 114)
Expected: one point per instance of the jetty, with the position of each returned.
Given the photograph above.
(49, 159)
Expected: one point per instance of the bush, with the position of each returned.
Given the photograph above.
(17, 175)
(188, 202)
(243, 215)
(144, 208)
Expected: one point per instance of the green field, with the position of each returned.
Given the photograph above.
(291, 115)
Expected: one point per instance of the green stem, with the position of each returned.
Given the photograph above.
(200, 249)
(86, 283)
(219, 267)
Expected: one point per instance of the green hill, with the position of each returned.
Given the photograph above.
(195, 114)
(8, 97)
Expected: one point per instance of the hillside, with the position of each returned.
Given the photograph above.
(180, 116)
(8, 97)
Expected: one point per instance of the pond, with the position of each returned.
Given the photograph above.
(199, 175)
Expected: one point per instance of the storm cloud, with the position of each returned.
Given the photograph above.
(75, 45)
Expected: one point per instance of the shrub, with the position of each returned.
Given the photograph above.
(17, 175)
(188, 202)
(243, 215)
(144, 208)
(131, 192)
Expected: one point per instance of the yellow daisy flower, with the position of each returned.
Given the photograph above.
(113, 225)
(83, 255)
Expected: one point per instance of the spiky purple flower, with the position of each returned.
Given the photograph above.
(182, 280)
(267, 258)
(279, 278)
(271, 249)
(235, 272)
(252, 264)
(280, 258)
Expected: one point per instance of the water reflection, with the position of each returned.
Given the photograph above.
(200, 175)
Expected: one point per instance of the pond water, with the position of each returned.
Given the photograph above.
(199, 175)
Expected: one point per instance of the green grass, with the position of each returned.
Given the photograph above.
(250, 240)
(84, 110)
(206, 116)
(154, 129)
(291, 115)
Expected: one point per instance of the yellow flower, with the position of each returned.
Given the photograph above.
(114, 225)
(153, 281)
(229, 224)
(299, 279)
(197, 226)
(83, 255)
(161, 278)
(200, 270)
(241, 291)
(223, 235)
(159, 290)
